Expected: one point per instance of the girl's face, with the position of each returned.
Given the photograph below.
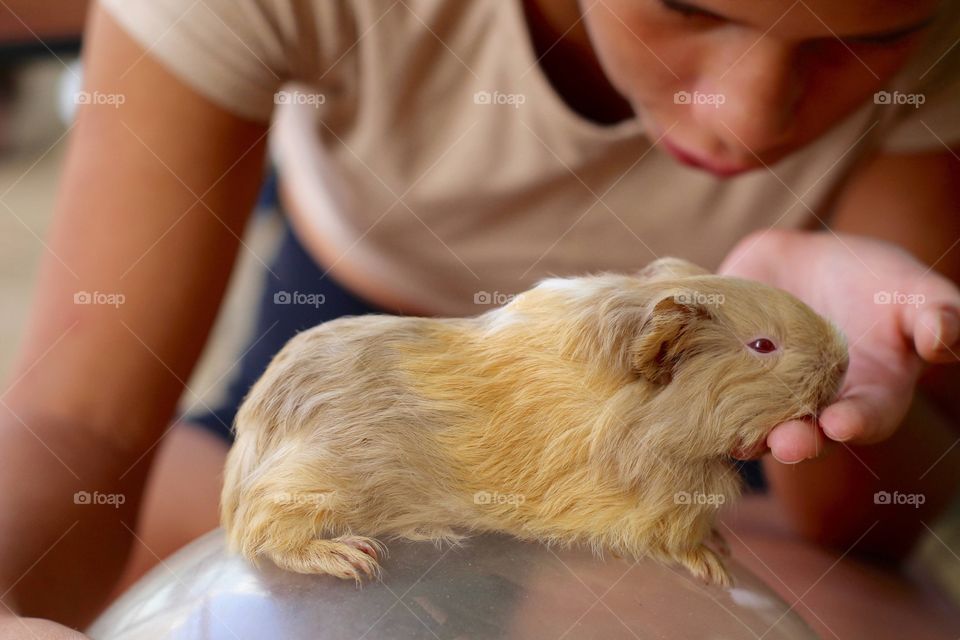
(732, 85)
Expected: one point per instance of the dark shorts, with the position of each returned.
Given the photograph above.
(286, 307)
(295, 272)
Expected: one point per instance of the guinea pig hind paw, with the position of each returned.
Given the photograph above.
(706, 564)
(347, 557)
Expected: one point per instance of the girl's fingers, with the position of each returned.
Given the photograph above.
(932, 317)
(795, 441)
(936, 333)
(866, 415)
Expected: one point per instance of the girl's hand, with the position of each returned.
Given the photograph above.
(896, 312)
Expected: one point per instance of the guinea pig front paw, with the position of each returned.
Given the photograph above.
(704, 563)
(344, 557)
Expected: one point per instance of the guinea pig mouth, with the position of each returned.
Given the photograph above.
(748, 450)
(831, 388)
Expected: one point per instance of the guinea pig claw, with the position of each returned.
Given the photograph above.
(361, 545)
(347, 557)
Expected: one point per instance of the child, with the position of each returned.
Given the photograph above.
(437, 155)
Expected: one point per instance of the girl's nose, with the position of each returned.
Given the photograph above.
(758, 94)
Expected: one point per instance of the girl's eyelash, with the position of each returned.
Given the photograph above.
(892, 39)
(881, 41)
(686, 10)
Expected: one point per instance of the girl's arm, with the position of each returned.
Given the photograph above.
(155, 194)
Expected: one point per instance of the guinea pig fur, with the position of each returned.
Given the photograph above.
(596, 411)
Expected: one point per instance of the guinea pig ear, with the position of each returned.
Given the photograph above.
(663, 336)
(665, 268)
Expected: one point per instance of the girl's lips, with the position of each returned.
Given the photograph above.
(721, 171)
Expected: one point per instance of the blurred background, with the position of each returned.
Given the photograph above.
(39, 74)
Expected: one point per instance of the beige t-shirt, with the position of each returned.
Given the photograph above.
(431, 165)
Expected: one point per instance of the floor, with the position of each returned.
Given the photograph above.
(32, 146)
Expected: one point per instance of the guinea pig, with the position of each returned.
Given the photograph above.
(598, 411)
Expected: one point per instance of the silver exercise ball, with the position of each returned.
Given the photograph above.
(492, 587)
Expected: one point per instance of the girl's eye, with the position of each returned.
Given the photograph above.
(762, 345)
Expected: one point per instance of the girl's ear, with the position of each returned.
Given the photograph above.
(666, 268)
(664, 335)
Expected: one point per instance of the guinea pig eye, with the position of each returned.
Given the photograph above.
(762, 345)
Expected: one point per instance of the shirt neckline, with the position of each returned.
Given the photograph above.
(541, 84)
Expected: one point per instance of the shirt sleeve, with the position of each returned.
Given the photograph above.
(237, 53)
(926, 96)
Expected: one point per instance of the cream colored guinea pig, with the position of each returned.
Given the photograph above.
(598, 410)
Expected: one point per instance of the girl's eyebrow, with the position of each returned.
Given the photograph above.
(893, 34)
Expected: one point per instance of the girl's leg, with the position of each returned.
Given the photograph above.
(839, 596)
(180, 500)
